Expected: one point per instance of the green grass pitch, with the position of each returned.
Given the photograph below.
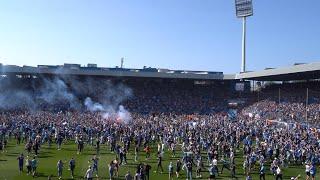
(48, 158)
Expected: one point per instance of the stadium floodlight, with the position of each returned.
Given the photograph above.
(243, 10)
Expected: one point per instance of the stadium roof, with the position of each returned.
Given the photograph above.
(295, 72)
(93, 70)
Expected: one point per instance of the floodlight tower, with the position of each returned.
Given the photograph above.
(243, 10)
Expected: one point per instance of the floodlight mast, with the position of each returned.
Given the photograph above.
(243, 10)
(243, 62)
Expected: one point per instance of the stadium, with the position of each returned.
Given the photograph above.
(282, 98)
(74, 121)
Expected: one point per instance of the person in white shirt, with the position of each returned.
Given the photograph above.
(308, 167)
(128, 176)
(215, 165)
(89, 174)
(170, 170)
(295, 178)
(279, 173)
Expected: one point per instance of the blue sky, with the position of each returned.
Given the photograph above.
(175, 34)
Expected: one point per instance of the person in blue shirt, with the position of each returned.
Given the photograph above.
(313, 171)
(72, 165)
(95, 160)
(34, 165)
(212, 172)
(20, 161)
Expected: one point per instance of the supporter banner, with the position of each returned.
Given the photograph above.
(270, 122)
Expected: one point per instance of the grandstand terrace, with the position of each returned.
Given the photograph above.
(93, 70)
(299, 71)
